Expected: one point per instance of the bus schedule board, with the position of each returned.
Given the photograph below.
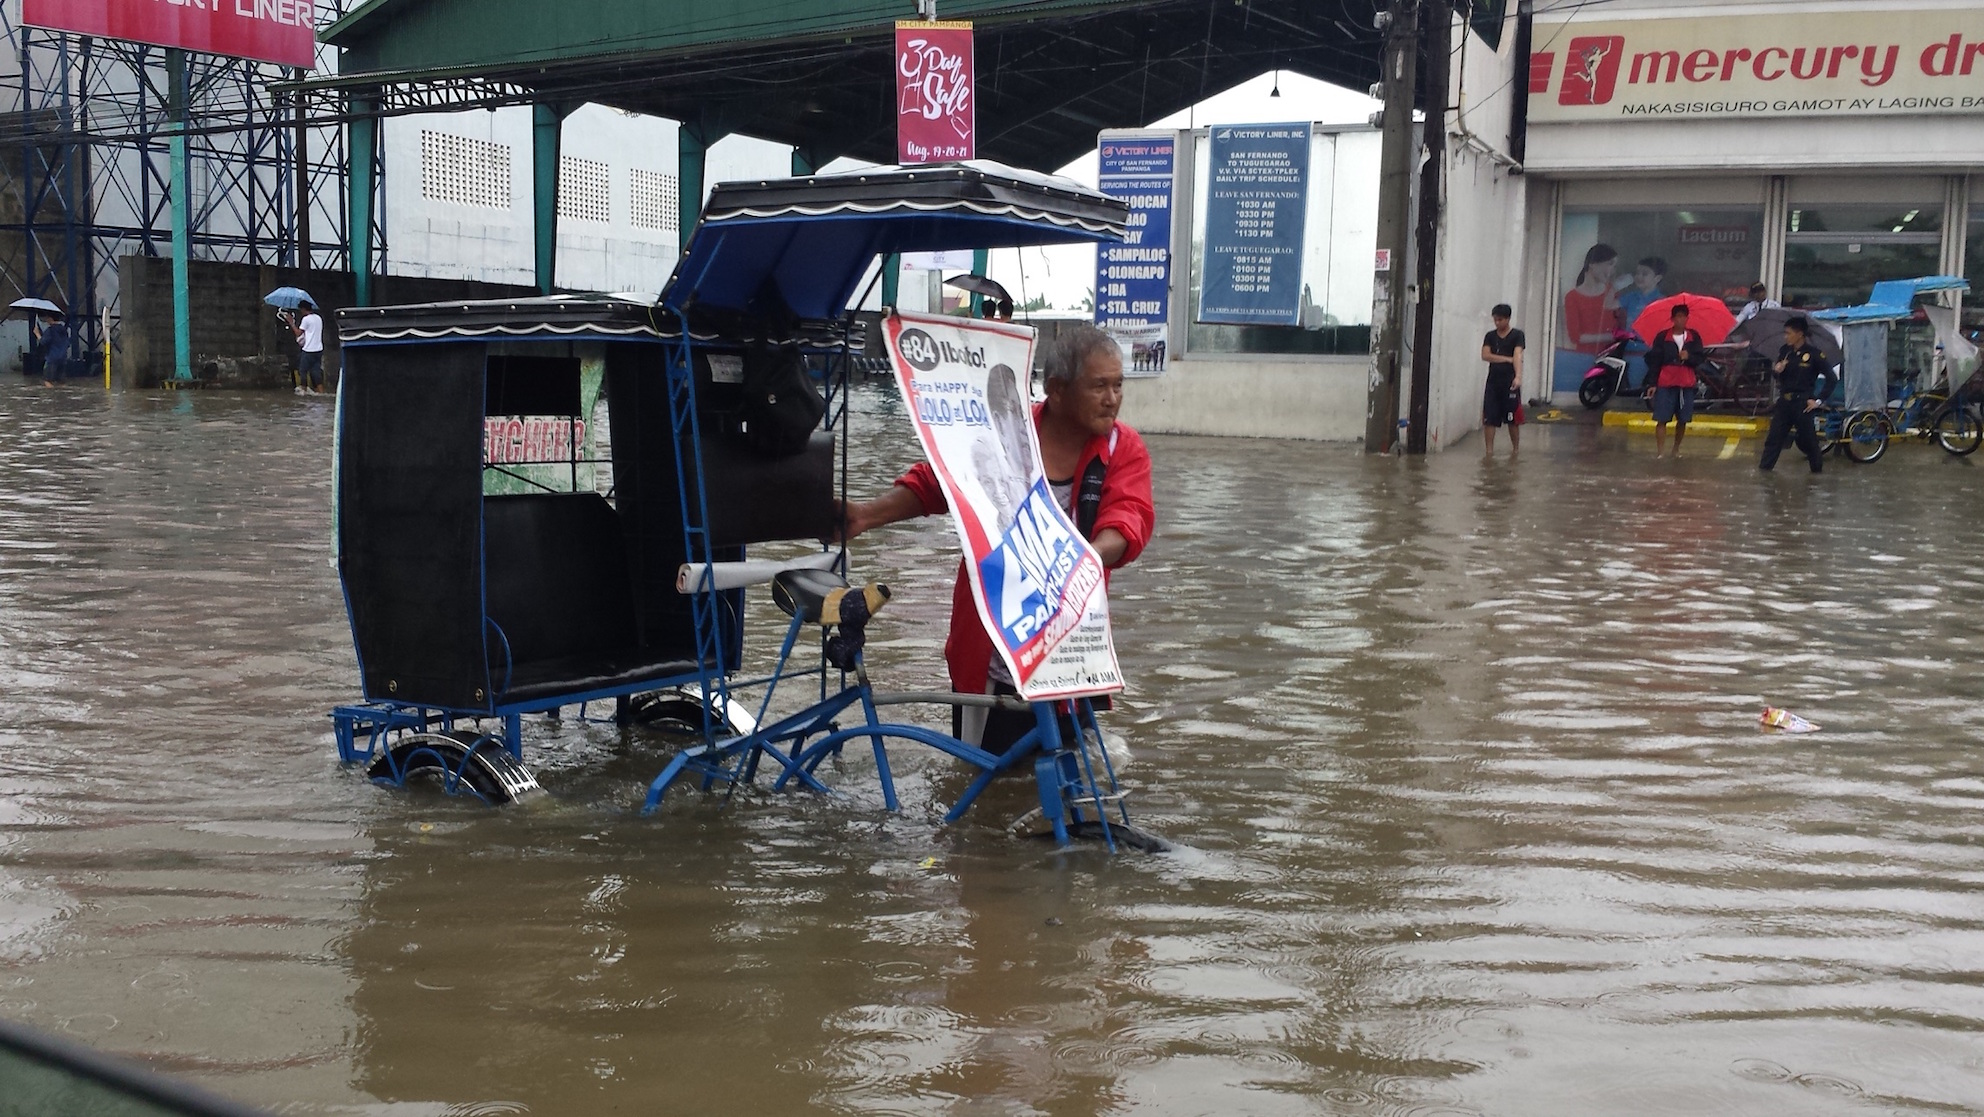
(279, 31)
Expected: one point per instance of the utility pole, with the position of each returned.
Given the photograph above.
(1394, 216)
(1437, 25)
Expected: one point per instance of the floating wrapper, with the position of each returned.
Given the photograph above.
(1774, 718)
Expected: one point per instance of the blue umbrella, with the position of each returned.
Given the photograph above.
(288, 298)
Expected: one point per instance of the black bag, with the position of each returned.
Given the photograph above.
(781, 407)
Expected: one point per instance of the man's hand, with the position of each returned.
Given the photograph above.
(851, 518)
(1110, 546)
(1779, 366)
(1811, 405)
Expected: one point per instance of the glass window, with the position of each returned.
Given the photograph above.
(1834, 254)
(1486, 19)
(1340, 237)
(1616, 261)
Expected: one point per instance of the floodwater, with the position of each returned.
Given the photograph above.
(1473, 812)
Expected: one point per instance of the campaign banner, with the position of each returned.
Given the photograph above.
(280, 31)
(936, 93)
(1257, 202)
(1037, 583)
(1859, 62)
(1133, 278)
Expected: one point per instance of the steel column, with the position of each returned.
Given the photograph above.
(547, 126)
(182, 218)
(364, 146)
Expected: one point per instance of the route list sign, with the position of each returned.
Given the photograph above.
(1133, 279)
(1257, 197)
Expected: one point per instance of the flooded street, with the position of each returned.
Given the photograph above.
(1462, 760)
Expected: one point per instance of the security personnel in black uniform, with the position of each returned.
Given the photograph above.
(1804, 380)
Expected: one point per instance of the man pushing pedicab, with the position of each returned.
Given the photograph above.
(1099, 472)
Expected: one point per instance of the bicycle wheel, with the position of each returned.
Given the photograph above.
(1958, 431)
(1826, 425)
(1865, 436)
(1752, 388)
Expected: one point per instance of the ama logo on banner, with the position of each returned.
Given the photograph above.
(1026, 574)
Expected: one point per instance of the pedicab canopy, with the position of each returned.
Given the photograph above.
(1864, 357)
(1893, 299)
(799, 247)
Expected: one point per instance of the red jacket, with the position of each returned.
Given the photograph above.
(1126, 506)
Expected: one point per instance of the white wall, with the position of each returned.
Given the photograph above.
(447, 240)
(1318, 398)
(1481, 236)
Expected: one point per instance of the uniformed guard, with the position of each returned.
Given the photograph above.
(1801, 372)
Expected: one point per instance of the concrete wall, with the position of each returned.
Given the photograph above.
(231, 327)
(1317, 398)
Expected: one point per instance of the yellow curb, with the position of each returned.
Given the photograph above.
(1738, 425)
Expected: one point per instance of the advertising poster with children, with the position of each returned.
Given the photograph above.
(1037, 583)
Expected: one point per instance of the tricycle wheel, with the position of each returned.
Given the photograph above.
(1958, 430)
(1865, 436)
(464, 762)
(1126, 836)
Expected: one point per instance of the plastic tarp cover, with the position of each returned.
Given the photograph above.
(1866, 366)
(1960, 355)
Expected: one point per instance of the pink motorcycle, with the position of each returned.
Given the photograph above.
(1607, 376)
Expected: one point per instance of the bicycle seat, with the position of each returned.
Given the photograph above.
(803, 593)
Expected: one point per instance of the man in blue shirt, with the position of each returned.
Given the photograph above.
(51, 349)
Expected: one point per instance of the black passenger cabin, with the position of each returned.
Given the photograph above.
(509, 516)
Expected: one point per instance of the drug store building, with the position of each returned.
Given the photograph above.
(1818, 147)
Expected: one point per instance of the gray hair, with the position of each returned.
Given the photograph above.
(1072, 348)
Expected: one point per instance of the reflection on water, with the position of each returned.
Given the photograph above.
(1474, 815)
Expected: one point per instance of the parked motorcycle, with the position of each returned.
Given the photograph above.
(1607, 375)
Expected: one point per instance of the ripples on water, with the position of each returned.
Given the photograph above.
(1474, 811)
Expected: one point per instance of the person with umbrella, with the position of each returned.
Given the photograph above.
(1801, 370)
(49, 349)
(1672, 358)
(309, 331)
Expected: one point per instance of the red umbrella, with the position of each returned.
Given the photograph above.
(1707, 316)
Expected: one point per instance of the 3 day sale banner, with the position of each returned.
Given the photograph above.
(936, 93)
(1037, 583)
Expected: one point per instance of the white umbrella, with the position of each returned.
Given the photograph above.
(42, 305)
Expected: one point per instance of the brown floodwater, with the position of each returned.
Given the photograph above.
(1472, 809)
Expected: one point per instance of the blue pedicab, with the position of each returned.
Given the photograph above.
(546, 503)
(1866, 419)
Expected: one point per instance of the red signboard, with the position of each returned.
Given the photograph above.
(936, 93)
(280, 31)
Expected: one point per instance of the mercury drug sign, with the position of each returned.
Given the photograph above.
(279, 31)
(1884, 63)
